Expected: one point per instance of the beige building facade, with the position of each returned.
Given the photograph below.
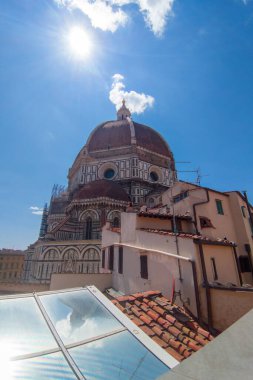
(145, 254)
(216, 215)
(11, 265)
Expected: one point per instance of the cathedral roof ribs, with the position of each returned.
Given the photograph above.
(118, 134)
(101, 201)
(101, 189)
(60, 224)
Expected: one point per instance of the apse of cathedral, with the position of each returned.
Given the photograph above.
(123, 163)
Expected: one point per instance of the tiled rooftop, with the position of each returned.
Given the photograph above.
(162, 214)
(167, 324)
(188, 235)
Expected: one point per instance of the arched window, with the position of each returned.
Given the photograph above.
(88, 229)
(115, 222)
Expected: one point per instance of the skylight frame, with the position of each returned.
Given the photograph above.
(125, 322)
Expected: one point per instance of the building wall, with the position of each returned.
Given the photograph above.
(11, 267)
(242, 226)
(229, 305)
(231, 224)
(164, 270)
(68, 280)
(64, 257)
(223, 225)
(225, 264)
(20, 288)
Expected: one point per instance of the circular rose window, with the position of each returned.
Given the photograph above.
(154, 176)
(109, 173)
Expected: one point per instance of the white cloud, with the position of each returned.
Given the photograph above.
(136, 102)
(101, 14)
(108, 15)
(156, 13)
(36, 210)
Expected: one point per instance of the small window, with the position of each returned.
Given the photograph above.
(109, 173)
(214, 269)
(111, 257)
(205, 222)
(244, 264)
(247, 248)
(181, 196)
(115, 222)
(120, 263)
(88, 228)
(219, 206)
(144, 266)
(243, 208)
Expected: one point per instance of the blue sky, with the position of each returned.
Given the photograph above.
(194, 59)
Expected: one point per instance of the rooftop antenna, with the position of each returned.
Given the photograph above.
(200, 176)
(198, 173)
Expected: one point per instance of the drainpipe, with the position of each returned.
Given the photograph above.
(194, 210)
(237, 265)
(208, 293)
(195, 281)
(176, 239)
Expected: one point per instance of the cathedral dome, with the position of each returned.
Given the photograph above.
(121, 133)
(124, 132)
(99, 189)
(131, 154)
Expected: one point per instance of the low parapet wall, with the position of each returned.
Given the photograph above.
(68, 280)
(15, 288)
(228, 305)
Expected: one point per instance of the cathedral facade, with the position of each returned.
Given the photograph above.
(122, 163)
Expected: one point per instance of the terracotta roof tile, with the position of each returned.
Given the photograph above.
(146, 319)
(157, 213)
(160, 341)
(148, 331)
(137, 321)
(168, 325)
(175, 354)
(188, 235)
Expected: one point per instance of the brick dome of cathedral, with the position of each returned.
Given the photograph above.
(99, 189)
(123, 133)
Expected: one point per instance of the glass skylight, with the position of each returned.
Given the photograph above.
(76, 334)
(78, 316)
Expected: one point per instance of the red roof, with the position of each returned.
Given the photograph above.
(157, 213)
(116, 134)
(193, 236)
(167, 324)
(101, 188)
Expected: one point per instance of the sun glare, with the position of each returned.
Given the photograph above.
(79, 42)
(5, 363)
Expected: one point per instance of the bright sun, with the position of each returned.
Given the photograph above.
(79, 42)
